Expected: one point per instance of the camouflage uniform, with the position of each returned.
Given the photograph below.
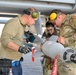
(47, 61)
(47, 65)
(68, 31)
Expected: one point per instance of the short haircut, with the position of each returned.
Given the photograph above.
(57, 11)
(28, 11)
(49, 24)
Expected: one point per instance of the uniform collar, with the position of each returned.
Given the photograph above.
(19, 16)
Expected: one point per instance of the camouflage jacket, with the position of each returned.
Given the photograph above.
(68, 31)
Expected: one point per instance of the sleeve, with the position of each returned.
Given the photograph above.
(73, 21)
(69, 34)
(66, 31)
(70, 42)
(9, 31)
(72, 29)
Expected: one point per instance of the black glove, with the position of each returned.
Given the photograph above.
(25, 49)
(73, 58)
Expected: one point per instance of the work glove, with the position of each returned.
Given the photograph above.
(25, 49)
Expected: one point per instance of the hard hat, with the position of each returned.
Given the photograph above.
(53, 16)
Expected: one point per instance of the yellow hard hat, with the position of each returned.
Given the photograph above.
(53, 16)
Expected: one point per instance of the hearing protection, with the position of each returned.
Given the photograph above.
(34, 14)
(53, 16)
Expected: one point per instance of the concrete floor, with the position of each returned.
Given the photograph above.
(32, 68)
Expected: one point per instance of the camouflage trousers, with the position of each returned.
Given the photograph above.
(66, 68)
(47, 65)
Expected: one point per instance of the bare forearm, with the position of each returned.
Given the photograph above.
(13, 46)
